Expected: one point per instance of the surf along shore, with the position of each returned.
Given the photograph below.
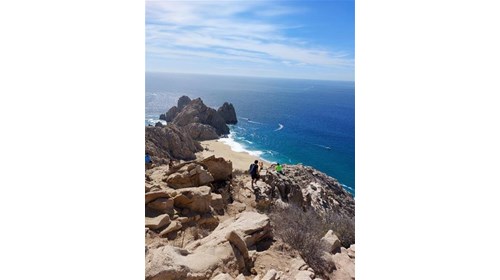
(240, 160)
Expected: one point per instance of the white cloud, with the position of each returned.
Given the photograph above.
(233, 31)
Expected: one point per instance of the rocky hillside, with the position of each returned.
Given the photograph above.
(168, 142)
(203, 221)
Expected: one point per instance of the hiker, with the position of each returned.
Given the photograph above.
(254, 171)
(149, 162)
(279, 168)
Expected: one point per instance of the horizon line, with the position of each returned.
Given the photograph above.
(245, 76)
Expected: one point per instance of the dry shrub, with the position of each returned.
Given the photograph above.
(343, 227)
(302, 231)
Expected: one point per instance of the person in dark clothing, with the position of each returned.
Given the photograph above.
(254, 171)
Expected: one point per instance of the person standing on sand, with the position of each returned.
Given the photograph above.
(254, 171)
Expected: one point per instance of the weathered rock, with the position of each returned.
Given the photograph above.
(182, 102)
(270, 275)
(162, 204)
(217, 202)
(237, 241)
(351, 251)
(170, 142)
(173, 226)
(158, 124)
(220, 168)
(223, 276)
(197, 112)
(344, 263)
(195, 199)
(201, 132)
(330, 242)
(227, 112)
(154, 195)
(304, 275)
(202, 257)
(170, 114)
(157, 222)
(191, 175)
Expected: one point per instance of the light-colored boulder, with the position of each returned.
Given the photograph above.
(304, 275)
(330, 242)
(220, 168)
(351, 251)
(270, 275)
(238, 242)
(157, 222)
(195, 199)
(344, 263)
(173, 226)
(190, 175)
(202, 257)
(223, 276)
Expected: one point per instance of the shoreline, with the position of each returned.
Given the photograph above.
(240, 160)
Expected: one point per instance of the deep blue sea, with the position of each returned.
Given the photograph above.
(281, 120)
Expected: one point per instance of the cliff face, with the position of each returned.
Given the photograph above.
(197, 112)
(227, 112)
(170, 142)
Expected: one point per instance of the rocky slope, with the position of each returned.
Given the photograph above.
(203, 221)
(168, 142)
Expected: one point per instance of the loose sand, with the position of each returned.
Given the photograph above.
(240, 160)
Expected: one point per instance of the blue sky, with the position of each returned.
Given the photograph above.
(287, 39)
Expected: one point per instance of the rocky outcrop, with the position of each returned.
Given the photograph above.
(197, 112)
(309, 188)
(170, 114)
(227, 112)
(194, 199)
(189, 175)
(230, 247)
(170, 142)
(201, 132)
(220, 168)
(182, 102)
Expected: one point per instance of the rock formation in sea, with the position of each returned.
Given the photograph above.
(227, 112)
(190, 111)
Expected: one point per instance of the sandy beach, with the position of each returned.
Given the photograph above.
(240, 160)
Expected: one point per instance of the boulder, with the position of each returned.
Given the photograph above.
(202, 257)
(330, 242)
(150, 196)
(351, 251)
(162, 204)
(227, 112)
(173, 226)
(157, 222)
(270, 275)
(344, 263)
(220, 168)
(305, 275)
(195, 199)
(191, 175)
(201, 132)
(223, 276)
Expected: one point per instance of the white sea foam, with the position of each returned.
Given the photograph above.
(238, 147)
(280, 127)
(254, 122)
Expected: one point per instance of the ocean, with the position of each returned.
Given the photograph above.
(288, 121)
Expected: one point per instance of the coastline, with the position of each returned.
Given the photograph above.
(240, 160)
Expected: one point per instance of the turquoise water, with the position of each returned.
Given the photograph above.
(280, 120)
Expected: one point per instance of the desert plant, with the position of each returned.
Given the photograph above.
(302, 231)
(342, 226)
